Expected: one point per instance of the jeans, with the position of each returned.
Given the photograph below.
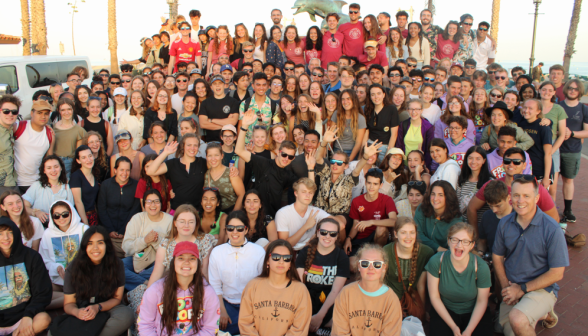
(67, 161)
(134, 279)
(233, 312)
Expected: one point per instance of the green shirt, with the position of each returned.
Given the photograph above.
(7, 173)
(459, 291)
(431, 231)
(556, 114)
(391, 279)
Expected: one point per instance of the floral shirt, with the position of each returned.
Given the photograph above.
(334, 198)
(265, 112)
(431, 35)
(465, 51)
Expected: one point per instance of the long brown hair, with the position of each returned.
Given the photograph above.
(473, 111)
(451, 202)
(309, 115)
(390, 44)
(229, 42)
(246, 38)
(420, 35)
(101, 159)
(296, 87)
(401, 171)
(162, 178)
(132, 110)
(355, 111)
(375, 29)
(292, 273)
(173, 233)
(168, 107)
(169, 315)
(447, 114)
(185, 137)
(400, 223)
(273, 146)
(296, 39)
(26, 224)
(313, 245)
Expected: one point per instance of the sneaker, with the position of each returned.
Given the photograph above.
(323, 332)
(568, 216)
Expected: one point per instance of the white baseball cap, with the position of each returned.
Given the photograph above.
(120, 91)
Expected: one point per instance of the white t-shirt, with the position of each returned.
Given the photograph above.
(482, 52)
(288, 220)
(177, 103)
(29, 150)
(432, 114)
(39, 230)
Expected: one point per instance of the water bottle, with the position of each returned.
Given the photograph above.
(232, 163)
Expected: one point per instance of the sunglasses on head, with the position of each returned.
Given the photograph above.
(286, 257)
(417, 183)
(366, 264)
(58, 215)
(121, 135)
(181, 80)
(7, 111)
(286, 155)
(516, 162)
(210, 188)
(333, 234)
(337, 162)
(239, 228)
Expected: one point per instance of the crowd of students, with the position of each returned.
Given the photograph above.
(243, 183)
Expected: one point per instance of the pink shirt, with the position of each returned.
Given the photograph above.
(352, 38)
(445, 48)
(222, 49)
(310, 54)
(295, 53)
(332, 50)
(380, 59)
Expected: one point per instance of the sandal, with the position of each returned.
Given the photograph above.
(554, 319)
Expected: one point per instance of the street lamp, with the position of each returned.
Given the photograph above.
(532, 59)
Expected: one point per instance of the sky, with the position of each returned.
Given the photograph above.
(138, 19)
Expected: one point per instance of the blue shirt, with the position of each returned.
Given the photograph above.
(533, 251)
(328, 88)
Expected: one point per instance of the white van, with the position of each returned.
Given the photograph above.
(27, 74)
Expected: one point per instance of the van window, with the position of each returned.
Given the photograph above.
(8, 76)
(43, 74)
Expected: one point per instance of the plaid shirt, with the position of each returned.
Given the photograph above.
(334, 198)
(431, 35)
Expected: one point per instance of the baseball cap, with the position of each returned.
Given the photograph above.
(229, 127)
(119, 91)
(186, 247)
(201, 32)
(195, 71)
(217, 77)
(226, 67)
(395, 150)
(42, 105)
(456, 64)
(122, 135)
(370, 43)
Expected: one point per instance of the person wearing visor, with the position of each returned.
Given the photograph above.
(373, 55)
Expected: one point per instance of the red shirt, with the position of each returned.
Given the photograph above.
(405, 33)
(445, 48)
(332, 50)
(380, 59)
(295, 53)
(222, 49)
(352, 38)
(142, 188)
(184, 52)
(362, 210)
(545, 202)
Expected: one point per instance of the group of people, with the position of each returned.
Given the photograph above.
(279, 184)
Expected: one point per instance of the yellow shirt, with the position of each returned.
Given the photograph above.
(413, 139)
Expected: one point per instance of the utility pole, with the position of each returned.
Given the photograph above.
(532, 59)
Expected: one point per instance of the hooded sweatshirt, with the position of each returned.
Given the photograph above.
(150, 317)
(447, 171)
(65, 244)
(29, 296)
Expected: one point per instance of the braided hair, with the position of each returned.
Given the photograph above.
(400, 223)
(313, 245)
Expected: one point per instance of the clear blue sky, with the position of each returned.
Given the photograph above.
(137, 19)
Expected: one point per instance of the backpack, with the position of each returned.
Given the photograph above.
(22, 126)
(247, 102)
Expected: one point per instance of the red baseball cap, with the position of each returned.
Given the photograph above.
(186, 247)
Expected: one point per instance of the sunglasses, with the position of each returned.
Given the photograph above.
(263, 127)
(500, 77)
(333, 234)
(417, 79)
(516, 162)
(491, 72)
(526, 177)
(185, 28)
(58, 215)
(394, 75)
(210, 188)
(7, 111)
(289, 69)
(319, 75)
(411, 64)
(466, 24)
(337, 162)
(483, 29)
(286, 155)
(115, 83)
(181, 80)
(239, 228)
(366, 264)
(469, 67)
(247, 50)
(353, 12)
(125, 135)
(146, 73)
(247, 70)
(126, 80)
(286, 257)
(430, 80)
(417, 183)
(333, 38)
(103, 75)
(496, 95)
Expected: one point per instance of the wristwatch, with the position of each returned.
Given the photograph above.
(524, 288)
(311, 170)
(572, 135)
(99, 307)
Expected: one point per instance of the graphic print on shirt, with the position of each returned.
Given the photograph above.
(184, 320)
(14, 286)
(362, 319)
(65, 249)
(274, 311)
(321, 275)
(458, 157)
(355, 33)
(333, 44)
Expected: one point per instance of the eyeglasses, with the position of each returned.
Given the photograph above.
(210, 188)
(453, 103)
(415, 110)
(466, 24)
(500, 77)
(417, 183)
(353, 12)
(337, 162)
(495, 95)
(288, 69)
(431, 80)
(366, 264)
(182, 80)
(516, 162)
(247, 50)
(149, 202)
(75, 80)
(455, 128)
(286, 257)
(161, 96)
(239, 228)
(7, 111)
(286, 155)
(464, 242)
(58, 215)
(115, 83)
(483, 29)
(333, 234)
(412, 65)
(417, 79)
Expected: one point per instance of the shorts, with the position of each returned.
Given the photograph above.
(570, 164)
(356, 244)
(556, 161)
(534, 304)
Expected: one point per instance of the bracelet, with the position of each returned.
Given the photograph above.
(243, 129)
(363, 157)
(325, 146)
(348, 237)
(311, 170)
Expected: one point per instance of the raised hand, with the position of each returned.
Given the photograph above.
(331, 134)
(372, 149)
(315, 109)
(310, 159)
(249, 118)
(170, 148)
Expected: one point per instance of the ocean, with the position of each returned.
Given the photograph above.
(576, 68)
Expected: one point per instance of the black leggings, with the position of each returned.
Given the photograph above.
(484, 327)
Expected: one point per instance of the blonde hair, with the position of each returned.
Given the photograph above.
(455, 228)
(308, 183)
(375, 247)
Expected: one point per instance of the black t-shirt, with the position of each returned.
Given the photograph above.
(249, 179)
(270, 181)
(236, 96)
(298, 166)
(89, 192)
(542, 136)
(380, 125)
(218, 109)
(186, 185)
(164, 54)
(516, 115)
(68, 288)
(487, 228)
(577, 117)
(323, 270)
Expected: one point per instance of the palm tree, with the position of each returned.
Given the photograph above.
(39, 27)
(569, 51)
(112, 43)
(26, 27)
(494, 23)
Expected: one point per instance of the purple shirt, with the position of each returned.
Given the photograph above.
(458, 152)
(442, 130)
(152, 305)
(495, 164)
